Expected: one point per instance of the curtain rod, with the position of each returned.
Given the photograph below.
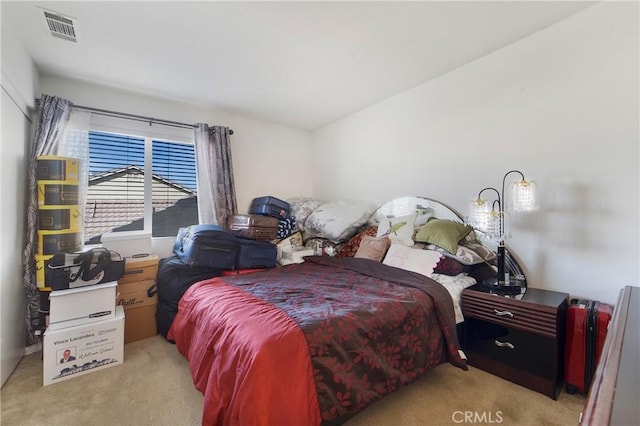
(135, 117)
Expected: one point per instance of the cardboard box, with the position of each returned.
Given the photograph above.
(140, 323)
(138, 269)
(52, 193)
(60, 218)
(51, 242)
(137, 295)
(91, 347)
(55, 167)
(139, 300)
(76, 306)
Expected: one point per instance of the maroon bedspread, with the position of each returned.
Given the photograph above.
(370, 329)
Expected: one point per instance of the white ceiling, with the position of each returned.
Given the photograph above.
(303, 64)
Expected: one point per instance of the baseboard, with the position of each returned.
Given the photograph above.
(33, 348)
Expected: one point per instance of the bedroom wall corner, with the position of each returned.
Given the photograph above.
(561, 105)
(19, 77)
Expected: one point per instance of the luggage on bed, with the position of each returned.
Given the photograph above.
(256, 254)
(254, 226)
(174, 278)
(270, 206)
(206, 246)
(587, 323)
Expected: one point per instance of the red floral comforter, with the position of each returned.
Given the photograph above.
(311, 342)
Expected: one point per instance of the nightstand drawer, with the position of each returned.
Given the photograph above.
(503, 311)
(520, 339)
(509, 346)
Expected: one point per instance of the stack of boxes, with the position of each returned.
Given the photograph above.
(89, 326)
(86, 327)
(60, 222)
(85, 332)
(138, 296)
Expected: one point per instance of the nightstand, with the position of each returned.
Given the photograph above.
(519, 339)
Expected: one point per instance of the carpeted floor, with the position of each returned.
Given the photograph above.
(153, 387)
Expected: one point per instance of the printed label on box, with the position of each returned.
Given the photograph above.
(74, 351)
(136, 295)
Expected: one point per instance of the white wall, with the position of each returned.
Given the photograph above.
(18, 79)
(15, 131)
(560, 105)
(260, 149)
(264, 155)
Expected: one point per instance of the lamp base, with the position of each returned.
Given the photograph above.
(512, 288)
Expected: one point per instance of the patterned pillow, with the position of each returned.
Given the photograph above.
(338, 220)
(398, 229)
(454, 285)
(463, 254)
(373, 248)
(291, 243)
(486, 254)
(301, 208)
(351, 247)
(322, 246)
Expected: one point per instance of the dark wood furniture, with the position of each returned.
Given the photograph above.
(518, 339)
(613, 396)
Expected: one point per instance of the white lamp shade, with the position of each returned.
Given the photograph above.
(494, 226)
(523, 196)
(479, 212)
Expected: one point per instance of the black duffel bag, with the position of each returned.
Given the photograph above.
(73, 270)
(174, 278)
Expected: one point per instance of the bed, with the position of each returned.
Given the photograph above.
(317, 342)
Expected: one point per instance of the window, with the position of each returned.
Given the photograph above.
(139, 183)
(175, 202)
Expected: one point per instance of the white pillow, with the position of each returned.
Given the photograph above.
(410, 259)
(398, 229)
(338, 220)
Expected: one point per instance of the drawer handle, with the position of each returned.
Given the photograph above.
(504, 344)
(503, 313)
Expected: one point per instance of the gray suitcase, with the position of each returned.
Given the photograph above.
(270, 206)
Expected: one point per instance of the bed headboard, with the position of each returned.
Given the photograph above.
(423, 205)
(420, 205)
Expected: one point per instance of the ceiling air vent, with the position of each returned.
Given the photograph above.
(61, 26)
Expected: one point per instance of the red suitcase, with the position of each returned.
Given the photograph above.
(587, 323)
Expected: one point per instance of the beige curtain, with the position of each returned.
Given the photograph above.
(59, 130)
(216, 187)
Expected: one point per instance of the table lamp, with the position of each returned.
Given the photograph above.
(488, 217)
